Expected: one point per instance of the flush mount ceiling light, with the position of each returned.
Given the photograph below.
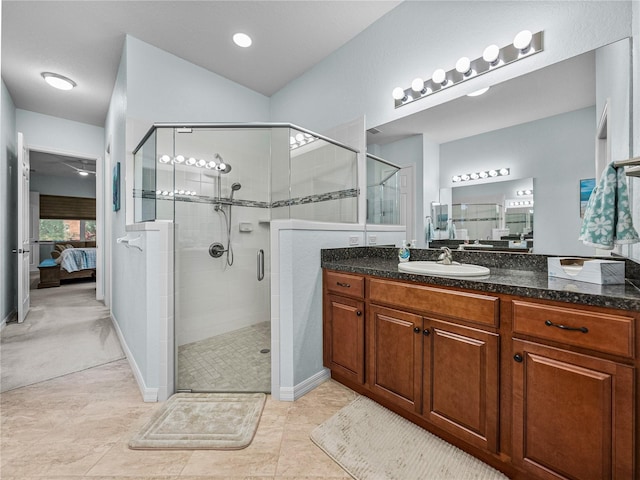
(524, 45)
(477, 93)
(58, 81)
(242, 40)
(498, 172)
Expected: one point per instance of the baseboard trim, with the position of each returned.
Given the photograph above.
(289, 394)
(7, 319)
(148, 394)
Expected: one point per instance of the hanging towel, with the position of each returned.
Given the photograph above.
(451, 230)
(429, 231)
(607, 218)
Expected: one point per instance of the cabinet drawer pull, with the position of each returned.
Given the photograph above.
(341, 284)
(416, 329)
(426, 332)
(518, 358)
(358, 313)
(549, 323)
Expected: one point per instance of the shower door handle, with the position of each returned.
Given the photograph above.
(260, 264)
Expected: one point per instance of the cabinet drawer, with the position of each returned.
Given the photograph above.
(596, 331)
(345, 284)
(475, 308)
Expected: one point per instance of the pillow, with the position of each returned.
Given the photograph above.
(68, 245)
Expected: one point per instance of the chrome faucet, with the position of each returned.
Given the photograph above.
(445, 257)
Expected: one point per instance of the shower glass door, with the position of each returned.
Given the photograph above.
(220, 202)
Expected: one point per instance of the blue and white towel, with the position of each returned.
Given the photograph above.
(607, 218)
(429, 231)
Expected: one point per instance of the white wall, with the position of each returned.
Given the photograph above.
(556, 152)
(47, 133)
(66, 186)
(8, 206)
(417, 37)
(296, 300)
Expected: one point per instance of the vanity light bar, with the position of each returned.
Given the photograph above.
(169, 193)
(300, 139)
(521, 203)
(498, 172)
(524, 45)
(196, 162)
(524, 193)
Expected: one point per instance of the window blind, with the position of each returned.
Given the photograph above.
(55, 207)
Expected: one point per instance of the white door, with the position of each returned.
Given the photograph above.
(24, 300)
(407, 202)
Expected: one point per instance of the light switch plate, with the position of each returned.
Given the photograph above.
(373, 239)
(354, 240)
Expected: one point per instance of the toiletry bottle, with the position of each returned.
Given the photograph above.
(403, 252)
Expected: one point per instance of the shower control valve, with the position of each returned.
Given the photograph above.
(216, 250)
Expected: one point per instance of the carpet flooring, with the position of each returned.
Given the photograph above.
(371, 442)
(203, 421)
(67, 330)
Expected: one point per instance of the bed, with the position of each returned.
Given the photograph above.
(70, 263)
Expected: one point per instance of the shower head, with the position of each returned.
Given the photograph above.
(235, 186)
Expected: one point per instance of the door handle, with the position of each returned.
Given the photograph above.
(260, 265)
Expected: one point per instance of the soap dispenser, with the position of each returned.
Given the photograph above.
(403, 252)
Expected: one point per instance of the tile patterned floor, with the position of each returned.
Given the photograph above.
(78, 426)
(231, 362)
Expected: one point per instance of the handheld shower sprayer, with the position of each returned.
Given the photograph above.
(219, 249)
(234, 187)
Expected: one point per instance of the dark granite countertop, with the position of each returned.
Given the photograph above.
(512, 274)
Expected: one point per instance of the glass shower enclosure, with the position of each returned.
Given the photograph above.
(221, 186)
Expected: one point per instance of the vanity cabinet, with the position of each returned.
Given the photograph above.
(460, 381)
(572, 412)
(395, 356)
(343, 325)
(542, 390)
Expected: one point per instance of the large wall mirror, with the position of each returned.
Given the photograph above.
(540, 126)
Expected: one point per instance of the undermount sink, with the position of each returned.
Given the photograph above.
(435, 268)
(475, 245)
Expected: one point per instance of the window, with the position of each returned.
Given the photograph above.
(57, 230)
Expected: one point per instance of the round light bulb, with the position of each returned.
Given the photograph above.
(491, 54)
(292, 140)
(242, 40)
(200, 163)
(165, 193)
(439, 77)
(465, 177)
(190, 161)
(528, 192)
(522, 40)
(178, 159)
(504, 171)
(475, 176)
(171, 194)
(484, 174)
(210, 165)
(398, 93)
(417, 85)
(456, 178)
(299, 137)
(181, 192)
(158, 192)
(164, 159)
(493, 173)
(463, 66)
(221, 166)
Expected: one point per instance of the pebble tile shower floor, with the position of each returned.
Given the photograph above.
(231, 362)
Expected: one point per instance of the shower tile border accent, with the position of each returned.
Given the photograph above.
(321, 197)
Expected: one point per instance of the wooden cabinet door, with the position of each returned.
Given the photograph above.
(572, 414)
(460, 392)
(395, 356)
(344, 337)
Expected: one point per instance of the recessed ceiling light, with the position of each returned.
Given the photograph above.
(58, 81)
(478, 92)
(242, 40)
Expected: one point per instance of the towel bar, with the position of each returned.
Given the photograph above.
(632, 163)
(130, 242)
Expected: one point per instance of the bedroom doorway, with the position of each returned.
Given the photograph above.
(66, 210)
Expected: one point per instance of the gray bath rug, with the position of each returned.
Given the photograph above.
(372, 443)
(203, 421)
